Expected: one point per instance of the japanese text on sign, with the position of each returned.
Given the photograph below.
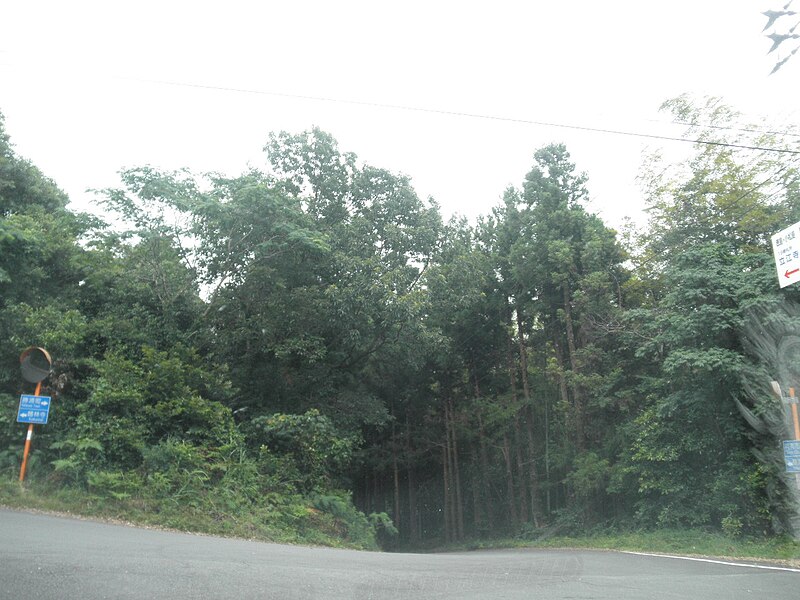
(791, 455)
(786, 248)
(33, 409)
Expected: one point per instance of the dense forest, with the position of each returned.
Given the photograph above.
(314, 339)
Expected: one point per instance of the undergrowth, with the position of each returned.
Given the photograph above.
(687, 542)
(285, 519)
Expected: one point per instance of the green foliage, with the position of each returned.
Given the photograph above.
(59, 330)
(352, 524)
(589, 475)
(114, 484)
(382, 523)
(22, 185)
(318, 451)
(78, 457)
(690, 449)
(311, 350)
(688, 542)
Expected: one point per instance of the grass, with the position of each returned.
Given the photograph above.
(686, 542)
(299, 525)
(309, 526)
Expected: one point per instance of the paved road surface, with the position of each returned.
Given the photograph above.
(45, 557)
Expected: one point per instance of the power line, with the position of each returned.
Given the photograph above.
(470, 115)
(732, 128)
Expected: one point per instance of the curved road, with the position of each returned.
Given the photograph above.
(45, 557)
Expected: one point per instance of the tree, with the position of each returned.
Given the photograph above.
(568, 283)
(708, 255)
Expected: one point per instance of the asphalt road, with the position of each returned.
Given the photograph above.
(44, 557)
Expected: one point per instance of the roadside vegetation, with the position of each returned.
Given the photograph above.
(307, 352)
(681, 542)
(320, 521)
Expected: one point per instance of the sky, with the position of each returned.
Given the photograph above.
(90, 88)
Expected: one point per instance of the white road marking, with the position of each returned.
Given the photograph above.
(716, 562)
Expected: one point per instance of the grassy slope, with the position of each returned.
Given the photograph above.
(689, 542)
(305, 526)
(316, 529)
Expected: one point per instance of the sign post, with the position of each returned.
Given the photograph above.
(35, 365)
(29, 436)
(786, 249)
(791, 448)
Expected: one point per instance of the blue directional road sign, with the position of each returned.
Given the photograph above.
(791, 455)
(33, 409)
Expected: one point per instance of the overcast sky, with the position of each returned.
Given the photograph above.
(88, 88)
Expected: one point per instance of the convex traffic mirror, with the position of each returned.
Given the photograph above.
(35, 364)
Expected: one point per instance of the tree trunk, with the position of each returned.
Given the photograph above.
(376, 493)
(533, 476)
(523, 359)
(448, 528)
(413, 516)
(577, 396)
(562, 379)
(484, 455)
(395, 476)
(517, 517)
(477, 513)
(397, 518)
(547, 453)
(459, 502)
(485, 487)
(512, 502)
(367, 496)
(523, 494)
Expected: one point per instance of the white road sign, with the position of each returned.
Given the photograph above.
(786, 248)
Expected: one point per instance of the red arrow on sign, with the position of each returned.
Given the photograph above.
(788, 273)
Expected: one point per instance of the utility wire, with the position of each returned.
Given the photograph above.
(732, 128)
(491, 117)
(455, 113)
